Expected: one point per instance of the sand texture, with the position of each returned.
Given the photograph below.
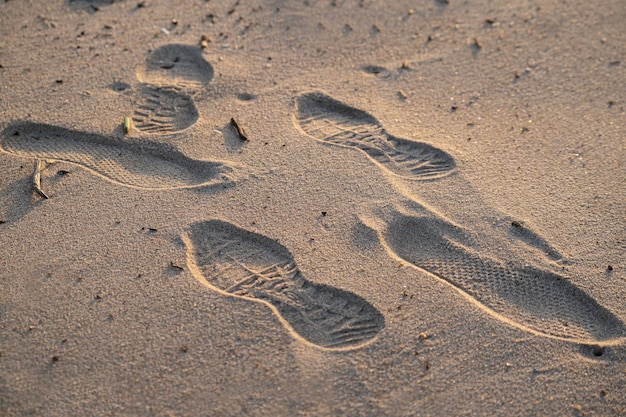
(312, 208)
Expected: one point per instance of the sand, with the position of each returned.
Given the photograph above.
(321, 208)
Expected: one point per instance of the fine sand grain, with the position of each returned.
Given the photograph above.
(312, 208)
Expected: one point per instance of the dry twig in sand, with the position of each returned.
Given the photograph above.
(37, 179)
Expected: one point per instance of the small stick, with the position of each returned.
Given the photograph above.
(37, 179)
(176, 267)
(127, 125)
(240, 132)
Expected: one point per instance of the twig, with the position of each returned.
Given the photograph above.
(37, 179)
(240, 132)
(128, 125)
(176, 267)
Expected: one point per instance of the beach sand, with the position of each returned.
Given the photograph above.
(319, 208)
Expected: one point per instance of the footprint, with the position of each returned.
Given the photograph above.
(176, 65)
(240, 263)
(171, 75)
(141, 165)
(531, 299)
(330, 121)
(164, 110)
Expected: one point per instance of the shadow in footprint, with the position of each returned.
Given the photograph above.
(176, 65)
(534, 300)
(521, 231)
(240, 263)
(91, 6)
(119, 86)
(330, 121)
(377, 70)
(246, 97)
(164, 110)
(147, 165)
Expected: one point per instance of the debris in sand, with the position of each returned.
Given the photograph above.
(475, 46)
(204, 41)
(239, 130)
(176, 267)
(128, 125)
(37, 179)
